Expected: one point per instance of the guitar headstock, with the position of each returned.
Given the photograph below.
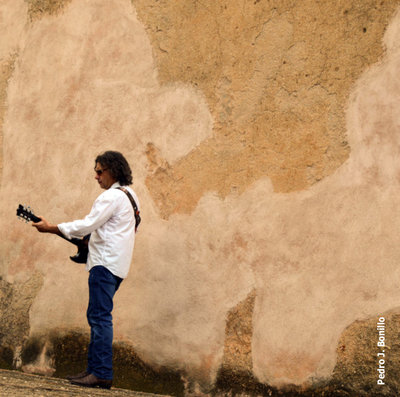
(26, 213)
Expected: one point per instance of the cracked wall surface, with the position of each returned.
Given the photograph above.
(358, 354)
(276, 75)
(238, 337)
(15, 303)
(39, 8)
(264, 142)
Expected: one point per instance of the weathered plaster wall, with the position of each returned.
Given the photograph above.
(276, 75)
(264, 141)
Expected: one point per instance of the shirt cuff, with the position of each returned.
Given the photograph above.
(62, 229)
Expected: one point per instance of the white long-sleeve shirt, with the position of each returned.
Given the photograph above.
(111, 223)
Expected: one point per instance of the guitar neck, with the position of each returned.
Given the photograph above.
(34, 218)
(27, 215)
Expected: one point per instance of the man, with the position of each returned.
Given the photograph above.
(111, 224)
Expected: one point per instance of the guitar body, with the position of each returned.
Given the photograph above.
(82, 244)
(83, 249)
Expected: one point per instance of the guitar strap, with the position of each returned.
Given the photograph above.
(135, 207)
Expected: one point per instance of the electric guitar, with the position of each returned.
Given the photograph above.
(27, 214)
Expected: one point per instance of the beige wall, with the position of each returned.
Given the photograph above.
(264, 139)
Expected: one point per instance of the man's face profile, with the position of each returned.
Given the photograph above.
(103, 176)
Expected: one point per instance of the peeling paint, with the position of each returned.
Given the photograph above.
(238, 337)
(39, 8)
(276, 76)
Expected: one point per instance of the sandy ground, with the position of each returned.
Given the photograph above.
(14, 383)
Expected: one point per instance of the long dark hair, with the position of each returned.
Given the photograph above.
(116, 163)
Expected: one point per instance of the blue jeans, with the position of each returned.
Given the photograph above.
(102, 287)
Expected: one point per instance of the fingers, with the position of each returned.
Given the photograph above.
(42, 220)
(42, 225)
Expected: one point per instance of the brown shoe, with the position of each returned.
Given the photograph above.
(77, 376)
(92, 381)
